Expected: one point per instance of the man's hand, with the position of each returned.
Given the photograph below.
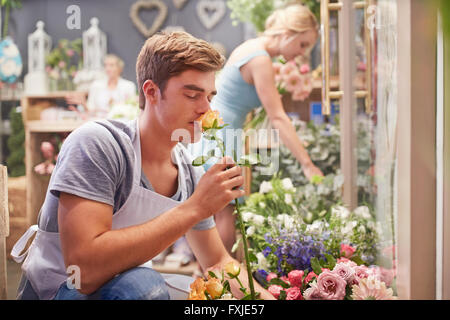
(218, 187)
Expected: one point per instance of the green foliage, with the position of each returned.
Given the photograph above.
(15, 161)
(8, 5)
(66, 58)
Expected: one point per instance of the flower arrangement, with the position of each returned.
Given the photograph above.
(64, 61)
(336, 280)
(218, 287)
(294, 77)
(128, 110)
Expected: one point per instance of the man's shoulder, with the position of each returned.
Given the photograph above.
(103, 134)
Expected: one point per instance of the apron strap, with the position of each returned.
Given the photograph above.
(20, 245)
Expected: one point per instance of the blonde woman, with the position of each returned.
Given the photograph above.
(248, 81)
(104, 93)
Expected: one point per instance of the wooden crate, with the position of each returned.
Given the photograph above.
(37, 131)
(17, 211)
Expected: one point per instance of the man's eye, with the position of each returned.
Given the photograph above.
(191, 97)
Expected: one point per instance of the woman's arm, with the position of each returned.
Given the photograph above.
(264, 80)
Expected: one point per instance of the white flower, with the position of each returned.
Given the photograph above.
(340, 212)
(262, 205)
(265, 187)
(315, 227)
(287, 184)
(288, 198)
(286, 220)
(363, 212)
(227, 296)
(251, 230)
(348, 228)
(362, 229)
(247, 216)
(258, 220)
(262, 261)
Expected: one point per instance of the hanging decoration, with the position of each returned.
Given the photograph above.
(148, 5)
(10, 61)
(210, 12)
(170, 29)
(179, 4)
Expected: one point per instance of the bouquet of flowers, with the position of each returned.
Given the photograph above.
(218, 287)
(332, 280)
(64, 61)
(295, 77)
(128, 110)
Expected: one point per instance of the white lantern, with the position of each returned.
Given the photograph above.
(39, 46)
(94, 47)
(94, 51)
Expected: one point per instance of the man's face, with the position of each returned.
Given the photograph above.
(185, 98)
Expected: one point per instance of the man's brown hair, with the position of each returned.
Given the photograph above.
(165, 55)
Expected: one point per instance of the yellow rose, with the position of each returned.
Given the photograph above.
(214, 288)
(208, 118)
(197, 290)
(232, 268)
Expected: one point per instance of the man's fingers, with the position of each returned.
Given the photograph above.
(222, 164)
(231, 173)
(234, 182)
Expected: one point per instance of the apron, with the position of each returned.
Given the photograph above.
(44, 264)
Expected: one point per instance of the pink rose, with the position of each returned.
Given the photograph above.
(331, 286)
(347, 261)
(361, 272)
(271, 276)
(345, 272)
(305, 68)
(62, 64)
(300, 95)
(312, 293)
(386, 276)
(70, 52)
(275, 290)
(310, 276)
(285, 279)
(347, 251)
(296, 278)
(287, 68)
(294, 293)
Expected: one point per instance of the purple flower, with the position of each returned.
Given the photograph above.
(267, 251)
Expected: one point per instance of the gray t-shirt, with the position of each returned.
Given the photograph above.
(96, 162)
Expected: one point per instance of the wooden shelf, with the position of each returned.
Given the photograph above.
(53, 126)
(53, 95)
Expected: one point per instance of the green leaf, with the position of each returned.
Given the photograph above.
(315, 265)
(283, 295)
(252, 257)
(215, 123)
(247, 297)
(212, 274)
(236, 245)
(199, 161)
(331, 261)
(357, 260)
(249, 159)
(279, 282)
(211, 153)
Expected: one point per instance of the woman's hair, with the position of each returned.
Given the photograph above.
(119, 61)
(296, 18)
(165, 55)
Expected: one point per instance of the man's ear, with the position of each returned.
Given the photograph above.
(151, 92)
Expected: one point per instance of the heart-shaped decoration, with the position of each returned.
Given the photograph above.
(179, 4)
(148, 5)
(210, 12)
